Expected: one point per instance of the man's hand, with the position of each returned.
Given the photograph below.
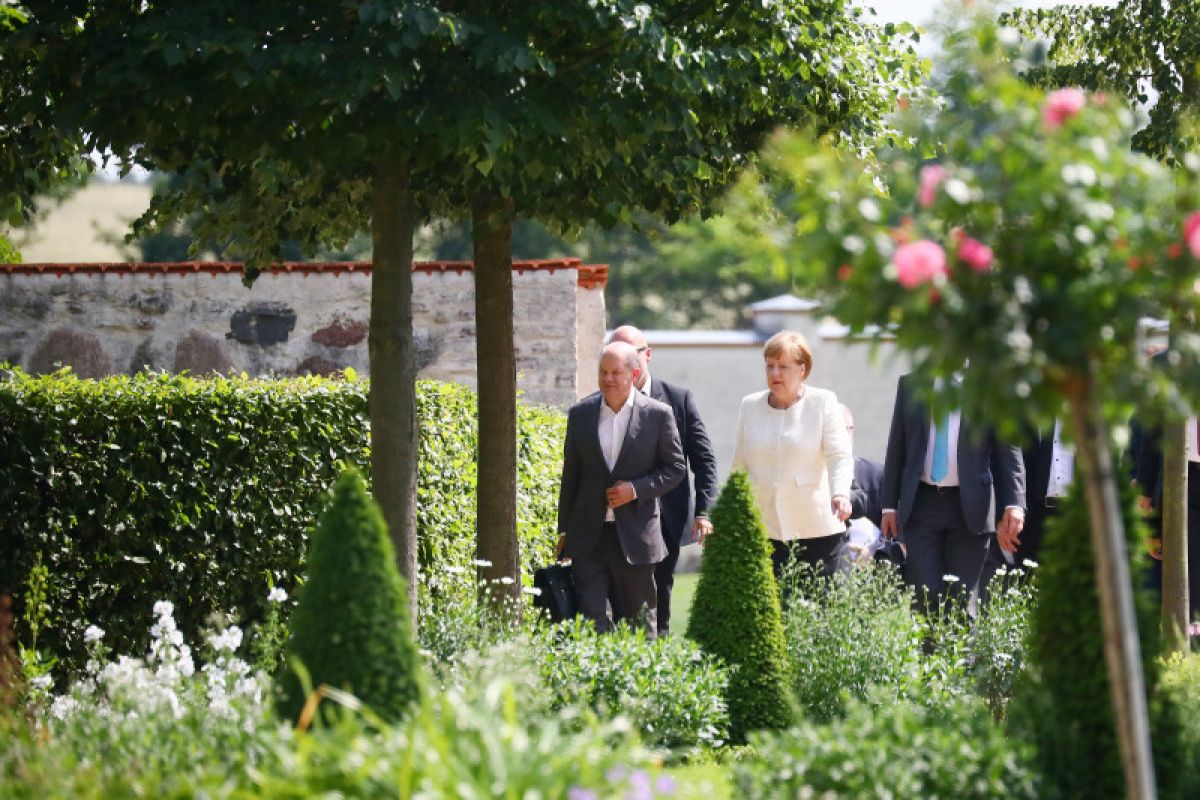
(619, 494)
(562, 542)
(1146, 504)
(841, 507)
(1008, 531)
(701, 529)
(890, 528)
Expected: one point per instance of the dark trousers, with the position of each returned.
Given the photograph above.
(664, 581)
(606, 570)
(939, 545)
(826, 553)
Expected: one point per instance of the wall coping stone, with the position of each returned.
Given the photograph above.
(590, 276)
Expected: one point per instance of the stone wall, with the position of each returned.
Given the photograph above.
(103, 319)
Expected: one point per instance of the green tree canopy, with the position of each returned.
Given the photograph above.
(1148, 51)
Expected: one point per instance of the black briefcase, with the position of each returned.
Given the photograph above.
(557, 586)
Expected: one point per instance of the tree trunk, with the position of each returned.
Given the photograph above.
(1121, 650)
(496, 523)
(393, 400)
(1174, 538)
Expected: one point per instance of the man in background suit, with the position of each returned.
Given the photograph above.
(866, 506)
(697, 449)
(622, 453)
(1049, 473)
(938, 480)
(866, 491)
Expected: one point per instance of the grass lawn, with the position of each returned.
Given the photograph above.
(702, 782)
(681, 601)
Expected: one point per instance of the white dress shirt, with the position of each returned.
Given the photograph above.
(1062, 464)
(611, 429)
(797, 458)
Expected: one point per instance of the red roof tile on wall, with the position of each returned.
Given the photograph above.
(591, 276)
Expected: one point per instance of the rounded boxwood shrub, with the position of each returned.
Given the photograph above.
(736, 615)
(351, 628)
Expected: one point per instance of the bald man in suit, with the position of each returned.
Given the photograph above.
(622, 454)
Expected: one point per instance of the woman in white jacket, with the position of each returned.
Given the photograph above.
(792, 443)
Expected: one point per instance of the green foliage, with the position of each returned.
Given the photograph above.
(137, 489)
(695, 274)
(892, 751)
(857, 636)
(539, 91)
(446, 497)
(848, 635)
(463, 742)
(351, 629)
(1064, 705)
(8, 253)
(736, 615)
(1137, 48)
(671, 692)
(1179, 684)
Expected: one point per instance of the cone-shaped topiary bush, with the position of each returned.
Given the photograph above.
(351, 628)
(736, 617)
(1064, 704)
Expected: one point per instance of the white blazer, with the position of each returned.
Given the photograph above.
(797, 459)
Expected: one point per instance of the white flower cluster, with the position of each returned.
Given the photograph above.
(164, 682)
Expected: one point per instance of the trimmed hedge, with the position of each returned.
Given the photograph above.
(134, 489)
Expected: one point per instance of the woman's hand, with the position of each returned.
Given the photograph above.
(841, 507)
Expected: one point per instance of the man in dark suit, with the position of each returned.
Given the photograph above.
(1049, 473)
(866, 506)
(697, 449)
(622, 453)
(938, 480)
(866, 491)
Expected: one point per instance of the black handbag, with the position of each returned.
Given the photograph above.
(890, 552)
(556, 584)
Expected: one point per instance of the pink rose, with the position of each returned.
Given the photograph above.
(1191, 233)
(931, 178)
(975, 254)
(1061, 105)
(919, 262)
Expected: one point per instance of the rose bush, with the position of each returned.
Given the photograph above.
(1020, 234)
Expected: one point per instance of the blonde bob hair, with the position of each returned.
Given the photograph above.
(792, 345)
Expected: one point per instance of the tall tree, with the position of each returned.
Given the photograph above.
(308, 123)
(593, 111)
(1148, 51)
(280, 122)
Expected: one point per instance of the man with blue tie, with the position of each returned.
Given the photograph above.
(938, 482)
